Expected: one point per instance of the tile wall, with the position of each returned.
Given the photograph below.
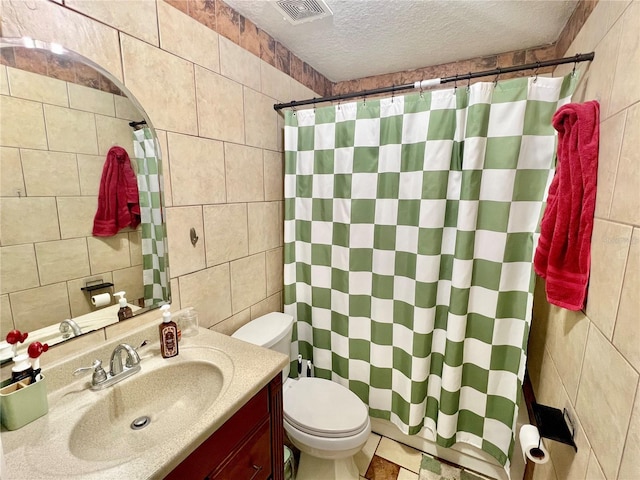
(211, 103)
(589, 361)
(54, 136)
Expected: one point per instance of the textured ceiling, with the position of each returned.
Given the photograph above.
(373, 37)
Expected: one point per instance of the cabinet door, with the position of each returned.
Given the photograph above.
(252, 461)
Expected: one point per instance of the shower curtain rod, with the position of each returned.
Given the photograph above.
(581, 57)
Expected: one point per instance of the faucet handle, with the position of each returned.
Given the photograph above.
(99, 375)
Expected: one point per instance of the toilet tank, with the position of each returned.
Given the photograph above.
(272, 331)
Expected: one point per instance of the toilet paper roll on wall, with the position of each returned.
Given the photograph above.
(101, 300)
(532, 446)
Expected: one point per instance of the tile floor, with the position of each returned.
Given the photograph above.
(386, 459)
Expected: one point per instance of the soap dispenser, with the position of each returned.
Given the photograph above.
(125, 310)
(168, 334)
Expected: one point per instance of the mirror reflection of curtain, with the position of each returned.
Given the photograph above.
(154, 238)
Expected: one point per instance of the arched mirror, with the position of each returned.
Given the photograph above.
(61, 116)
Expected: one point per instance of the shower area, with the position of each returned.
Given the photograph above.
(410, 228)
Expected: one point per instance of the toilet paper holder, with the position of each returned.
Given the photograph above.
(554, 424)
(93, 285)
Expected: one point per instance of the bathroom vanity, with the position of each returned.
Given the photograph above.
(214, 412)
(248, 446)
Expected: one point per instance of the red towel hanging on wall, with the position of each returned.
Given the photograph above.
(118, 200)
(563, 255)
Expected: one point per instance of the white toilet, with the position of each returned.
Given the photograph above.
(327, 422)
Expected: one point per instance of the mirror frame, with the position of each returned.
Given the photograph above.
(26, 42)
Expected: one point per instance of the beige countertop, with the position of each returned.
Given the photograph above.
(42, 450)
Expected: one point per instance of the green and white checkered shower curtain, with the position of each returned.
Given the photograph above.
(154, 238)
(410, 226)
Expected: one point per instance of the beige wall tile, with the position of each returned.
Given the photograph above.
(166, 167)
(168, 108)
(275, 262)
(49, 22)
(611, 131)
(36, 216)
(185, 258)
(135, 247)
(11, 177)
(273, 175)
(627, 333)
(239, 64)
(130, 281)
(280, 132)
(264, 227)
(16, 113)
(197, 170)
(544, 471)
(126, 109)
(594, 472)
(626, 90)
(220, 107)
(76, 216)
(48, 174)
(605, 400)
(71, 130)
(567, 336)
(244, 173)
(175, 293)
(62, 260)
(233, 323)
(260, 120)
(630, 465)
(91, 100)
(625, 206)
(550, 391)
(4, 82)
(609, 247)
(226, 233)
(268, 305)
(275, 83)
(602, 69)
(90, 172)
(114, 131)
(124, 19)
(19, 268)
(79, 300)
(108, 253)
(209, 292)
(188, 38)
(6, 318)
(39, 88)
(248, 282)
(27, 306)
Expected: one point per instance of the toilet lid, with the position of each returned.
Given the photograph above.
(324, 408)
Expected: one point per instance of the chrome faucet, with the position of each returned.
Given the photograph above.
(67, 325)
(117, 372)
(115, 364)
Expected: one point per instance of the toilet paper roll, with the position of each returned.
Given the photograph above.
(532, 445)
(101, 300)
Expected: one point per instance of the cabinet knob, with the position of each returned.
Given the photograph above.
(257, 469)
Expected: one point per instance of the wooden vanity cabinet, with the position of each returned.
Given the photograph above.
(249, 446)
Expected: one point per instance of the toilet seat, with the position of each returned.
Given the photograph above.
(323, 408)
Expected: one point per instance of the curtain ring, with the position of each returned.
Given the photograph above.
(421, 89)
(393, 91)
(495, 82)
(575, 64)
(293, 109)
(469, 82)
(455, 84)
(536, 72)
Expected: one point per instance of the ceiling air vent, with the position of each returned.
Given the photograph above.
(302, 11)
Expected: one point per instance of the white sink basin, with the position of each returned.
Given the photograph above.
(159, 401)
(173, 393)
